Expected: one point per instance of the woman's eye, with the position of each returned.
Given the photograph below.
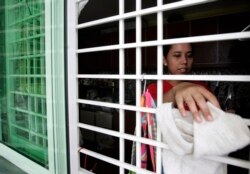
(190, 55)
(177, 55)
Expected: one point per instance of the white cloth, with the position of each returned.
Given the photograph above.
(189, 141)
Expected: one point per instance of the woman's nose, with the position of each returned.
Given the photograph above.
(184, 59)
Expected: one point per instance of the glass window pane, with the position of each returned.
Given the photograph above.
(23, 119)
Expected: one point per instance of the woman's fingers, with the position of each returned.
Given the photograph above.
(180, 104)
(209, 96)
(190, 102)
(201, 103)
(195, 97)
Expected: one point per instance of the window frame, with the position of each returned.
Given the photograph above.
(55, 97)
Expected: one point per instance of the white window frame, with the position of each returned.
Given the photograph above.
(73, 76)
(55, 93)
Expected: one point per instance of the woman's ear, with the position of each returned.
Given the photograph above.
(165, 62)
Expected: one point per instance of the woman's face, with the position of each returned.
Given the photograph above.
(179, 59)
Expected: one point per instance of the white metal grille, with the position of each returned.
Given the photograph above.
(74, 78)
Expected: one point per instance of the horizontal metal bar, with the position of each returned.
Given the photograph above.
(26, 75)
(223, 159)
(114, 161)
(147, 11)
(206, 38)
(126, 107)
(231, 78)
(117, 106)
(123, 135)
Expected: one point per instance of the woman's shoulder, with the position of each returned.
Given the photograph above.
(154, 84)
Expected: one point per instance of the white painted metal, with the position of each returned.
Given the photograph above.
(232, 78)
(139, 77)
(138, 82)
(19, 160)
(227, 160)
(72, 16)
(206, 38)
(122, 135)
(55, 116)
(115, 162)
(170, 6)
(121, 84)
(159, 82)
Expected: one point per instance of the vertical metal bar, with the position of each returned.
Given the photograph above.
(43, 131)
(42, 44)
(41, 54)
(159, 82)
(46, 43)
(9, 83)
(121, 83)
(138, 83)
(29, 81)
(72, 85)
(33, 117)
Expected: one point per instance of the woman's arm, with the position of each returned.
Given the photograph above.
(194, 96)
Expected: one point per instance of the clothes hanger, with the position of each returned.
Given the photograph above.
(144, 83)
(245, 29)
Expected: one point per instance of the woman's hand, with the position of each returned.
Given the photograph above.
(195, 97)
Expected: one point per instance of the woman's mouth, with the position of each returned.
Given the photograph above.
(183, 70)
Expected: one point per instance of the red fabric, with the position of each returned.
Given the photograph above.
(152, 88)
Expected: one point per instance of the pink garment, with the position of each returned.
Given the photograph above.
(148, 131)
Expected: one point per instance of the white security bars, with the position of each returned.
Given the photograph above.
(81, 153)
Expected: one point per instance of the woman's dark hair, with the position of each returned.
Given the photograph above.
(166, 48)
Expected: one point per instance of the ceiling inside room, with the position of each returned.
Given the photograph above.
(97, 9)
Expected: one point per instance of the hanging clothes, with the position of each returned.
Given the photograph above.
(149, 130)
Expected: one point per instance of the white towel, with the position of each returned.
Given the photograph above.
(189, 141)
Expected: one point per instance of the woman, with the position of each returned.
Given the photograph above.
(192, 95)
